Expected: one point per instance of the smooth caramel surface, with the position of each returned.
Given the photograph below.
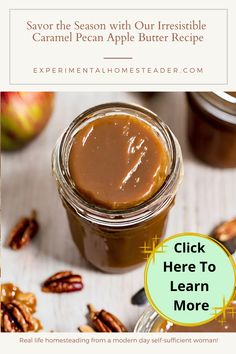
(118, 162)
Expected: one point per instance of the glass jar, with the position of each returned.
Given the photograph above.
(151, 321)
(212, 127)
(147, 321)
(111, 240)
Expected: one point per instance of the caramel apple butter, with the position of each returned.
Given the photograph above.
(232, 94)
(212, 127)
(151, 321)
(118, 162)
(218, 325)
(118, 168)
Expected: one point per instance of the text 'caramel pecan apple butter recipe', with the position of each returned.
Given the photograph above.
(118, 167)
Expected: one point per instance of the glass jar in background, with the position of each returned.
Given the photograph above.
(111, 240)
(212, 127)
(151, 321)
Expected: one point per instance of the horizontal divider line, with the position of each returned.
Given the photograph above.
(117, 57)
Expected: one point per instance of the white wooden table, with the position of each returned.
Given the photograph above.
(206, 197)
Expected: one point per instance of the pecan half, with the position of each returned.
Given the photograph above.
(17, 309)
(226, 234)
(8, 323)
(23, 232)
(63, 282)
(17, 317)
(104, 321)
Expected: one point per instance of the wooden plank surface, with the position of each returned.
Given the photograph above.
(206, 197)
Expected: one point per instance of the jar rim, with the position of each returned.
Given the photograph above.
(147, 320)
(124, 217)
(216, 103)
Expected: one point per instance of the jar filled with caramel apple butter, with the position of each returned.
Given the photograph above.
(212, 127)
(118, 168)
(150, 321)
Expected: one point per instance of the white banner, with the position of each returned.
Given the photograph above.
(104, 343)
(122, 47)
